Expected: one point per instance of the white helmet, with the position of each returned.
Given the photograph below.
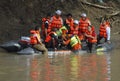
(58, 12)
(83, 15)
(76, 22)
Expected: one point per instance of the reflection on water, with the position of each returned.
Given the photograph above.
(62, 67)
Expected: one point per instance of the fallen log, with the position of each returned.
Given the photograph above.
(95, 5)
(116, 33)
(112, 24)
(114, 13)
(108, 16)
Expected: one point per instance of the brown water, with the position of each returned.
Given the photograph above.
(62, 67)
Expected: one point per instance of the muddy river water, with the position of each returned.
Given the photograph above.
(61, 67)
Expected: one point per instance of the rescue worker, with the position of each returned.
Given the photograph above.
(91, 39)
(45, 25)
(35, 40)
(54, 37)
(60, 31)
(64, 34)
(50, 41)
(104, 32)
(84, 22)
(56, 21)
(74, 29)
(69, 20)
(74, 42)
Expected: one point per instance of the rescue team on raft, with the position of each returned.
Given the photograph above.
(68, 34)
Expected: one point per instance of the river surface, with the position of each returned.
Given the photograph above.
(60, 67)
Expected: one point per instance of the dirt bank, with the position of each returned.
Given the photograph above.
(17, 17)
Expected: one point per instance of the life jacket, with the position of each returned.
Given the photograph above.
(74, 40)
(76, 47)
(75, 43)
(93, 28)
(84, 24)
(74, 30)
(91, 40)
(56, 22)
(35, 37)
(69, 22)
(48, 38)
(102, 31)
(44, 20)
(59, 32)
(81, 36)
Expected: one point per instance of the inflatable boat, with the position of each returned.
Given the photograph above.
(24, 48)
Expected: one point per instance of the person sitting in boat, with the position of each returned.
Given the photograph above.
(91, 38)
(35, 40)
(51, 40)
(54, 38)
(73, 42)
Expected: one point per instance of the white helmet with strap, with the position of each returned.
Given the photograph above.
(58, 12)
(76, 22)
(83, 15)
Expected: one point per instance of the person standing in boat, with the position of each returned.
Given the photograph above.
(45, 25)
(69, 21)
(104, 32)
(56, 21)
(35, 40)
(91, 38)
(84, 22)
